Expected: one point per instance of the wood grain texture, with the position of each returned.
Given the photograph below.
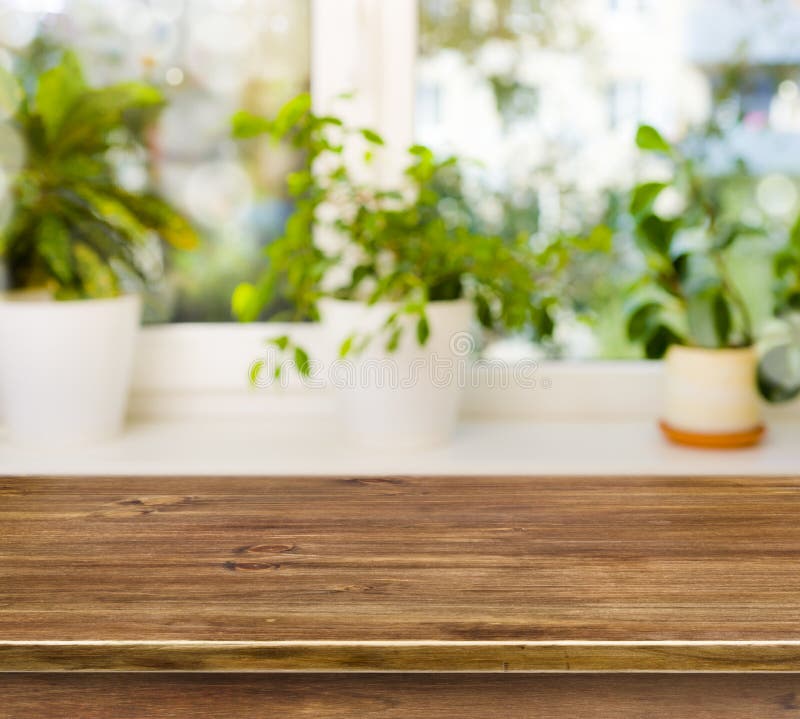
(398, 574)
(110, 696)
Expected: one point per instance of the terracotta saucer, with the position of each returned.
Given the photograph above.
(714, 441)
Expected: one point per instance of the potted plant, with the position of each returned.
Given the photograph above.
(398, 277)
(74, 245)
(688, 308)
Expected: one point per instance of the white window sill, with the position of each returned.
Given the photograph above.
(193, 413)
(308, 444)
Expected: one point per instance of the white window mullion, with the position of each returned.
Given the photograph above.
(368, 47)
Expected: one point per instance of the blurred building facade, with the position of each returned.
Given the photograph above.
(635, 61)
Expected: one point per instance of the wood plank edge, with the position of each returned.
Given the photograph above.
(395, 656)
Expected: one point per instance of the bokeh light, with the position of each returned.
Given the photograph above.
(174, 76)
(777, 195)
(17, 29)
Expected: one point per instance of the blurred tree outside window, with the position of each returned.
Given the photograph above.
(211, 58)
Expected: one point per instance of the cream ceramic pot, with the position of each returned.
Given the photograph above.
(711, 391)
(404, 399)
(65, 368)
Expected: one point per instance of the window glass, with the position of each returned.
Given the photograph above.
(547, 96)
(210, 57)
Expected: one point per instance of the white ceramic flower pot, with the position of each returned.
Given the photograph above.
(711, 397)
(65, 368)
(409, 398)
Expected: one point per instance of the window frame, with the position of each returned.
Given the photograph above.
(201, 369)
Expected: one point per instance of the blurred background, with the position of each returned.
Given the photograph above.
(210, 58)
(544, 95)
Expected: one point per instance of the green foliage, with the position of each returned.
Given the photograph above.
(686, 295)
(73, 229)
(779, 369)
(787, 272)
(409, 245)
(779, 372)
(650, 139)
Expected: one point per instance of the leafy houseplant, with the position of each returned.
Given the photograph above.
(74, 230)
(687, 295)
(75, 243)
(407, 252)
(779, 369)
(688, 307)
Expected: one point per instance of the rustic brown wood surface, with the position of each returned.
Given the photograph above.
(663, 696)
(439, 574)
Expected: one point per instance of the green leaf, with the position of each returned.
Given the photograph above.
(723, 319)
(779, 373)
(394, 340)
(420, 151)
(97, 278)
(162, 218)
(245, 125)
(290, 114)
(255, 371)
(299, 182)
(302, 362)
(681, 263)
(542, 320)
(117, 98)
(11, 94)
(346, 347)
(87, 125)
(641, 320)
(709, 326)
(68, 294)
(281, 342)
(113, 211)
(785, 263)
(644, 196)
(484, 311)
(329, 120)
(242, 301)
(727, 237)
(360, 273)
(59, 90)
(110, 245)
(423, 330)
(658, 234)
(702, 285)
(794, 236)
(601, 239)
(660, 341)
(53, 243)
(648, 138)
(372, 137)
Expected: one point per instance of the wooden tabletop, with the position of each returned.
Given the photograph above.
(398, 574)
(400, 696)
